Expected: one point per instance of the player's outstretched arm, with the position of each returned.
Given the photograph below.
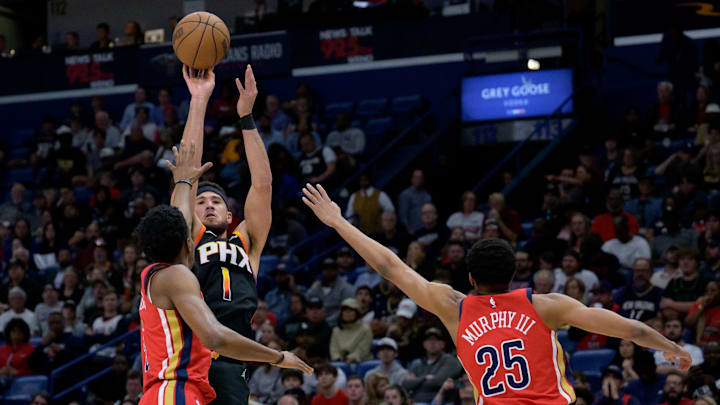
(558, 310)
(440, 299)
(186, 171)
(258, 213)
(201, 88)
(179, 287)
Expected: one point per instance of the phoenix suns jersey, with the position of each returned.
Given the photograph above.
(222, 266)
(511, 356)
(175, 362)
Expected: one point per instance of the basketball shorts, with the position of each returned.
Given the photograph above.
(228, 379)
(173, 392)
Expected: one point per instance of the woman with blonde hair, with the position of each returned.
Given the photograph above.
(575, 288)
(376, 385)
(415, 259)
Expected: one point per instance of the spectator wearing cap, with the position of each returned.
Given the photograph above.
(368, 203)
(689, 198)
(49, 305)
(318, 325)
(345, 260)
(571, 267)
(705, 120)
(73, 325)
(57, 348)
(411, 201)
(627, 248)
(640, 300)
(468, 218)
(681, 293)
(278, 299)
(16, 301)
(327, 392)
(432, 235)
(645, 208)
(612, 389)
(15, 353)
(426, 375)
(331, 289)
(387, 353)
(669, 232)
(507, 219)
(673, 330)
(603, 224)
(403, 330)
(351, 340)
(704, 315)
(669, 271)
(17, 206)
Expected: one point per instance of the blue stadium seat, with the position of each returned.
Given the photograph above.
(36, 341)
(591, 360)
(335, 109)
(345, 367)
(18, 153)
(372, 107)
(714, 201)
(378, 126)
(23, 387)
(365, 366)
(568, 345)
(405, 104)
(527, 229)
(268, 263)
(21, 137)
(21, 176)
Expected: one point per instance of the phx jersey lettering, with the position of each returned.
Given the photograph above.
(223, 268)
(511, 356)
(175, 362)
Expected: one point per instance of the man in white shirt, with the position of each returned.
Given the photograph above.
(16, 299)
(369, 204)
(113, 137)
(140, 101)
(350, 140)
(107, 323)
(470, 220)
(571, 268)
(626, 247)
(673, 330)
(671, 270)
(149, 129)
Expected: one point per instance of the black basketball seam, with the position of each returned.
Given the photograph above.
(213, 38)
(199, 44)
(188, 34)
(220, 31)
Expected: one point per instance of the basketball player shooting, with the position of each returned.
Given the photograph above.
(506, 340)
(177, 327)
(227, 267)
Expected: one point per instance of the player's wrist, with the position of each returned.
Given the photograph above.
(184, 181)
(280, 360)
(247, 123)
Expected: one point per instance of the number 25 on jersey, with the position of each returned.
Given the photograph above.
(515, 367)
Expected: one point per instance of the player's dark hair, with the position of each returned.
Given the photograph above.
(162, 233)
(491, 261)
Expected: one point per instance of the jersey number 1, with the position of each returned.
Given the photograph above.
(489, 354)
(227, 292)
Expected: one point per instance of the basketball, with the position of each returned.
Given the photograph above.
(201, 40)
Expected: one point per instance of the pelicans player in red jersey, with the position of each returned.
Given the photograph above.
(177, 327)
(506, 341)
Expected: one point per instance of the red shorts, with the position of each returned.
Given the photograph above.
(173, 392)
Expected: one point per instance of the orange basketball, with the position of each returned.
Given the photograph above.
(201, 40)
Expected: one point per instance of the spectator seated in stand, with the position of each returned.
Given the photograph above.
(603, 224)
(387, 353)
(612, 388)
(704, 315)
(470, 220)
(351, 340)
(681, 292)
(673, 330)
(571, 267)
(627, 248)
(645, 208)
(368, 203)
(345, 137)
(128, 116)
(14, 354)
(58, 346)
(16, 300)
(426, 375)
(327, 393)
(316, 163)
(411, 201)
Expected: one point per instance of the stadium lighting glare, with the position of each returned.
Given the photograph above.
(533, 64)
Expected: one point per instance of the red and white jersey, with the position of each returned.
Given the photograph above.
(509, 353)
(172, 354)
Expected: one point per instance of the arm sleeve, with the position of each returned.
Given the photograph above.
(385, 202)
(335, 354)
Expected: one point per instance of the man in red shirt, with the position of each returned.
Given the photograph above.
(327, 393)
(674, 389)
(603, 223)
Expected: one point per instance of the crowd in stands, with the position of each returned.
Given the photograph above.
(631, 225)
